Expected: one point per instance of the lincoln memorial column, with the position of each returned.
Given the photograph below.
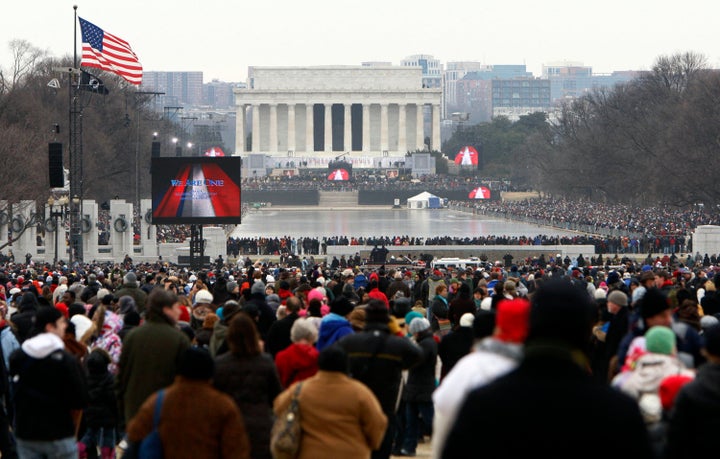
(240, 130)
(419, 128)
(402, 129)
(347, 137)
(273, 128)
(256, 128)
(366, 128)
(309, 126)
(384, 127)
(436, 127)
(328, 128)
(291, 127)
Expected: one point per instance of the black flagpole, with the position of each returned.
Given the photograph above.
(76, 167)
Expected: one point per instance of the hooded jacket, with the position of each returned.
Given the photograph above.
(332, 328)
(49, 385)
(297, 362)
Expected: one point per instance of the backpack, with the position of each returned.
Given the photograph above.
(151, 446)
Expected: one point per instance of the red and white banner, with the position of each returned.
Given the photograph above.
(467, 156)
(214, 151)
(480, 192)
(339, 174)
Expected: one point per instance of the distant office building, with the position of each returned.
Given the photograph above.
(180, 88)
(219, 94)
(571, 80)
(513, 98)
(431, 69)
(474, 91)
(454, 72)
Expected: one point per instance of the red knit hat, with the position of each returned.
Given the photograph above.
(62, 307)
(184, 314)
(512, 320)
(669, 387)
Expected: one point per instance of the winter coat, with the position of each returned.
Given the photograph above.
(139, 295)
(150, 357)
(196, 421)
(102, 407)
(279, 334)
(340, 417)
(548, 381)
(695, 417)
(453, 347)
(332, 328)
(382, 373)
(439, 309)
(421, 378)
(296, 362)
(253, 383)
(49, 384)
(649, 371)
(490, 359)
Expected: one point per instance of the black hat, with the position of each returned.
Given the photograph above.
(341, 306)
(376, 312)
(653, 303)
(46, 315)
(561, 313)
(197, 364)
(484, 323)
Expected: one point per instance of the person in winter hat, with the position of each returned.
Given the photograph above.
(299, 360)
(335, 324)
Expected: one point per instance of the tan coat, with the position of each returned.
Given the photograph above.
(196, 421)
(340, 417)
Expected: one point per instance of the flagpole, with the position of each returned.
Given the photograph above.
(76, 169)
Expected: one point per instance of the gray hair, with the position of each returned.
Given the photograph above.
(303, 329)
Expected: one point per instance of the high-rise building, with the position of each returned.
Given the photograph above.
(570, 80)
(180, 88)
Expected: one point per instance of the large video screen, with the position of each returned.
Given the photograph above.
(197, 190)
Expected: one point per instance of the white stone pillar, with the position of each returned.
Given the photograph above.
(273, 129)
(347, 137)
(419, 128)
(24, 212)
(436, 127)
(366, 128)
(402, 129)
(309, 128)
(291, 127)
(240, 129)
(148, 231)
(256, 128)
(384, 146)
(90, 238)
(328, 127)
(121, 236)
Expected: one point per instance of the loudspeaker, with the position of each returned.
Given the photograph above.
(155, 149)
(55, 162)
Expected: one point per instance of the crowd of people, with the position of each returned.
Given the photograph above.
(387, 356)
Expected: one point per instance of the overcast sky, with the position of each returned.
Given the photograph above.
(222, 38)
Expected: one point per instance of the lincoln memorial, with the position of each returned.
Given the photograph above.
(322, 112)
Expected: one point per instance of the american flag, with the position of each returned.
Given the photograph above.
(107, 52)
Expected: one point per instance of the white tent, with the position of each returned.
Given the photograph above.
(423, 200)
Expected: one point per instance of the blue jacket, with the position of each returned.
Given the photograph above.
(332, 328)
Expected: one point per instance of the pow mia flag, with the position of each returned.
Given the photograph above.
(91, 83)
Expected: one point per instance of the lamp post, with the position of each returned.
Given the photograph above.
(58, 209)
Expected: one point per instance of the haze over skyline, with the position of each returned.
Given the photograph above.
(222, 39)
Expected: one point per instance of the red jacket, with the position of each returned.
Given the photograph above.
(296, 362)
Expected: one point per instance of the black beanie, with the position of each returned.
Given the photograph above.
(197, 364)
(653, 303)
(561, 312)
